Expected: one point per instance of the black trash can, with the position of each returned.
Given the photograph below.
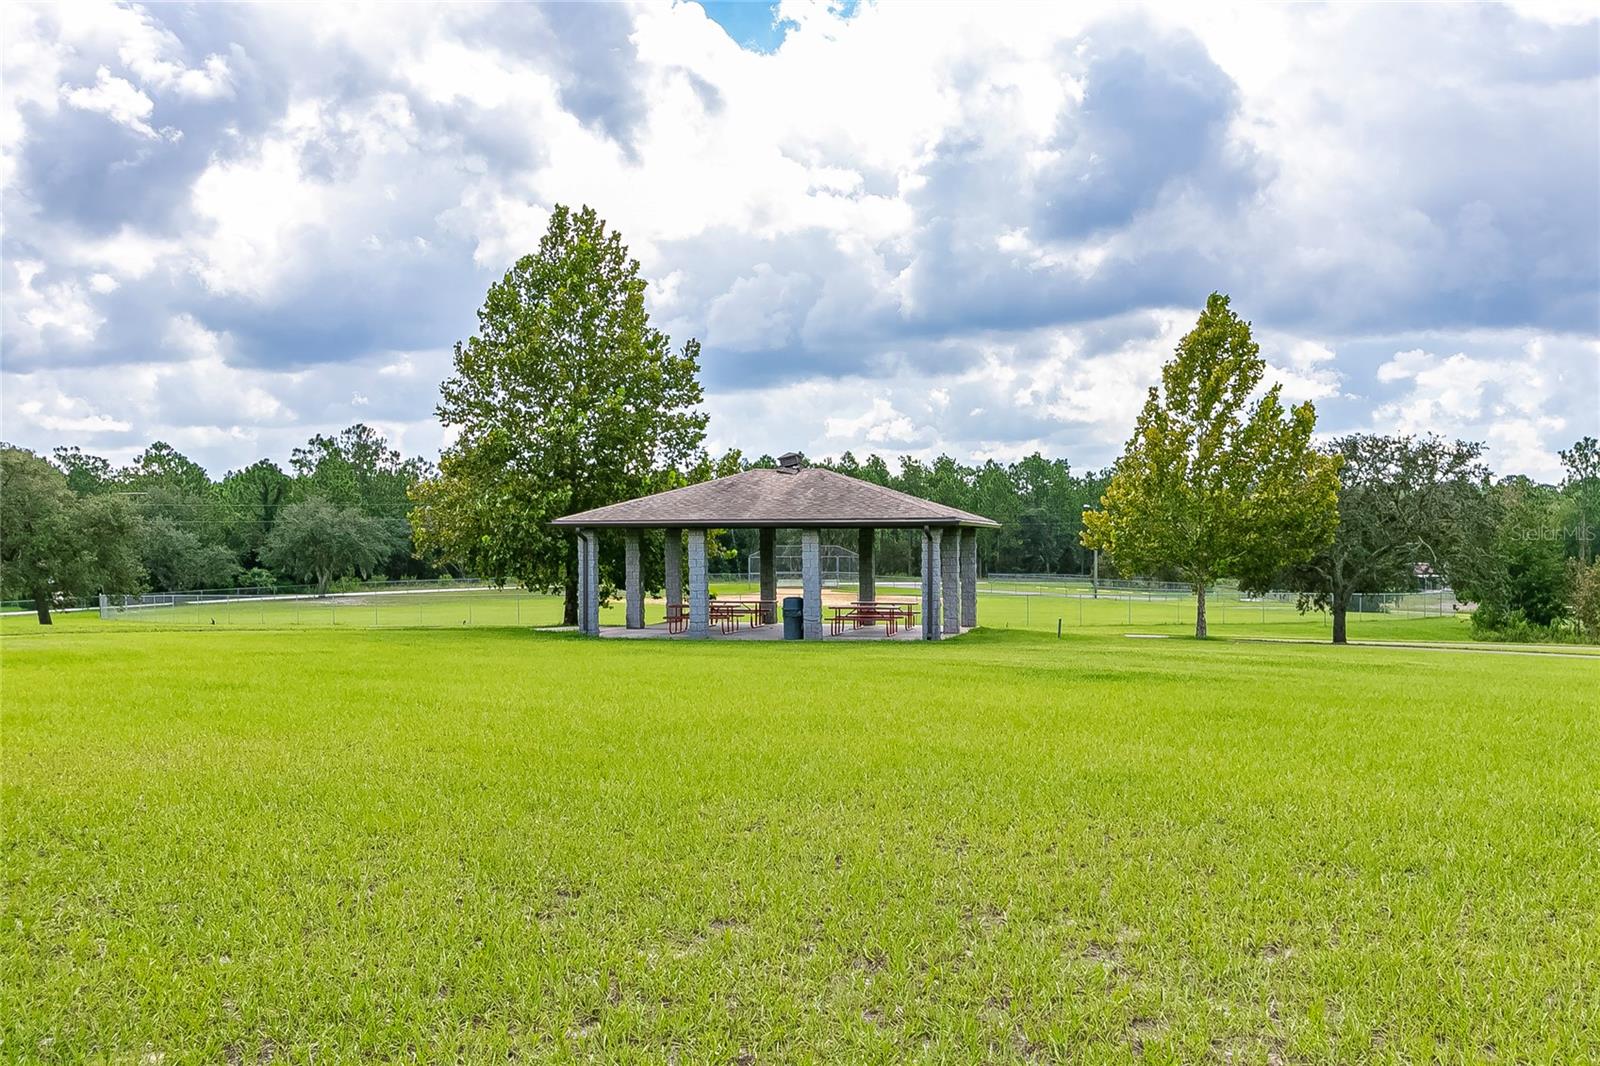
(794, 618)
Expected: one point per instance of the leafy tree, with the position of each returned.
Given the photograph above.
(565, 399)
(1518, 574)
(165, 483)
(358, 467)
(1402, 501)
(319, 541)
(163, 465)
(54, 542)
(86, 474)
(251, 499)
(1582, 487)
(1212, 484)
(176, 559)
(1586, 599)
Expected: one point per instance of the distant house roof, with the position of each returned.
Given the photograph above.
(788, 497)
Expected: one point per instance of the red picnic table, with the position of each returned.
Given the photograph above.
(906, 608)
(859, 614)
(726, 614)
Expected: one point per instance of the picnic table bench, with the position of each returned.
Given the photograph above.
(906, 608)
(856, 615)
(726, 614)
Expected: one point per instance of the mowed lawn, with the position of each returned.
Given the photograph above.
(235, 846)
(1002, 605)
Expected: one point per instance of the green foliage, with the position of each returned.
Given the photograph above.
(358, 468)
(163, 466)
(319, 541)
(565, 399)
(251, 500)
(1518, 572)
(1585, 582)
(1403, 501)
(86, 474)
(175, 558)
(53, 542)
(1581, 487)
(1212, 483)
(257, 577)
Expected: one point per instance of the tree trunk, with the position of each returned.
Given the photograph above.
(1200, 610)
(41, 604)
(1340, 606)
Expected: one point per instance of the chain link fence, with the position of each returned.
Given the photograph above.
(427, 603)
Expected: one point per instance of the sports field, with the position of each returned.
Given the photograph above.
(487, 843)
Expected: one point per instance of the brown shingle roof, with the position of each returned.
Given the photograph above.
(809, 496)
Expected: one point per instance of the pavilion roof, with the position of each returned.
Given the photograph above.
(803, 497)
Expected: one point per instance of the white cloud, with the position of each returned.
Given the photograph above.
(39, 316)
(117, 99)
(864, 228)
(1507, 402)
(880, 424)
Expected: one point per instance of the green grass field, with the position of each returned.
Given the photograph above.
(482, 843)
(1002, 605)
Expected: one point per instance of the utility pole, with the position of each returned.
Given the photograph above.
(1094, 579)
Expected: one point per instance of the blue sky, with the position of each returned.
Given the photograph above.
(911, 229)
(756, 27)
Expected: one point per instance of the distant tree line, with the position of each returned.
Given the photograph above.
(73, 524)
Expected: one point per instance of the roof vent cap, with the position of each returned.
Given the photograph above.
(789, 462)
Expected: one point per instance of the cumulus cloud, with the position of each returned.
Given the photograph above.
(977, 229)
(115, 98)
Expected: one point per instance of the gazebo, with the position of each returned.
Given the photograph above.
(792, 496)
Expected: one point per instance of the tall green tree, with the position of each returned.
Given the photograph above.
(1517, 572)
(358, 466)
(251, 500)
(175, 559)
(1402, 501)
(565, 399)
(163, 465)
(1213, 484)
(319, 541)
(1581, 487)
(86, 474)
(166, 484)
(53, 542)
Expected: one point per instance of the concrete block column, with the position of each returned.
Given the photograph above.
(866, 578)
(633, 579)
(950, 574)
(969, 578)
(672, 556)
(932, 586)
(769, 573)
(589, 582)
(699, 586)
(580, 572)
(811, 582)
